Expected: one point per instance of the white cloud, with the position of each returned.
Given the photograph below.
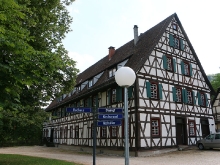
(83, 61)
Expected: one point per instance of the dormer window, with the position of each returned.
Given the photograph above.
(78, 89)
(90, 84)
(111, 72)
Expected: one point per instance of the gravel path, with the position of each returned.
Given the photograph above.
(189, 157)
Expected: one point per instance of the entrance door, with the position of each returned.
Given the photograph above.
(205, 127)
(51, 135)
(181, 131)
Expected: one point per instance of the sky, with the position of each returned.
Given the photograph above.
(99, 24)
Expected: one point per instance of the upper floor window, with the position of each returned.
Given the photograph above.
(176, 42)
(78, 88)
(177, 94)
(115, 95)
(189, 96)
(169, 63)
(90, 83)
(192, 128)
(174, 25)
(111, 72)
(87, 102)
(154, 90)
(202, 99)
(186, 68)
(95, 101)
(155, 127)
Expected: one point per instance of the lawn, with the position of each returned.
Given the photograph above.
(9, 159)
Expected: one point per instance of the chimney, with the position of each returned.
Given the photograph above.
(135, 34)
(111, 52)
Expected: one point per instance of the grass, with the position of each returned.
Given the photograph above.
(9, 159)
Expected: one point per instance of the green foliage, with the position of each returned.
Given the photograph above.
(216, 81)
(35, 66)
(9, 159)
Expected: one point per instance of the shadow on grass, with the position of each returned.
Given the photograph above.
(9, 159)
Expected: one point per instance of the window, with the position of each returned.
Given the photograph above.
(177, 94)
(65, 132)
(169, 63)
(154, 90)
(186, 68)
(189, 96)
(71, 131)
(103, 132)
(176, 42)
(87, 102)
(202, 99)
(90, 83)
(92, 129)
(78, 89)
(76, 132)
(155, 127)
(113, 95)
(192, 128)
(113, 131)
(95, 101)
(111, 72)
(174, 25)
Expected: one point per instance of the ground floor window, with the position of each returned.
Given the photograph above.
(192, 128)
(103, 132)
(155, 127)
(76, 131)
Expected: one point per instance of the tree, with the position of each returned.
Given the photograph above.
(216, 81)
(35, 66)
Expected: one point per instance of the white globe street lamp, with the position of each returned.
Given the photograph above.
(125, 77)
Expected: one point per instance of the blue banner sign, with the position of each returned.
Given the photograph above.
(109, 123)
(110, 116)
(110, 110)
(78, 110)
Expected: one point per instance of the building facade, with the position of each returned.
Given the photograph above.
(216, 109)
(169, 104)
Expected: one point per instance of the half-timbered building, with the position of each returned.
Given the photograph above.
(169, 103)
(216, 109)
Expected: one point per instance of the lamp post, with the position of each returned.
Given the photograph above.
(125, 77)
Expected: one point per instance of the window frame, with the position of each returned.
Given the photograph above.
(170, 58)
(192, 127)
(176, 42)
(174, 26)
(90, 83)
(92, 128)
(202, 99)
(179, 98)
(103, 132)
(111, 72)
(191, 95)
(158, 127)
(113, 95)
(114, 128)
(76, 132)
(71, 131)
